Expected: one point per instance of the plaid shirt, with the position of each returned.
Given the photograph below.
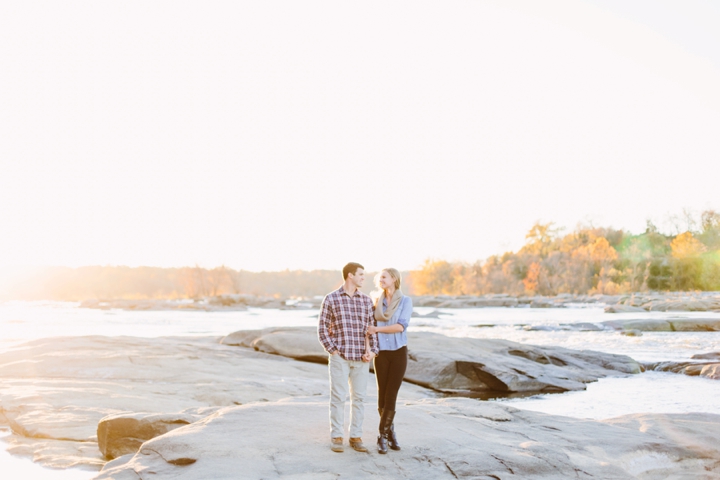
(343, 324)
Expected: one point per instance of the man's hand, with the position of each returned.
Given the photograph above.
(368, 357)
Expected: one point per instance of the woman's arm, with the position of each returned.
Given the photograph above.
(394, 328)
(405, 313)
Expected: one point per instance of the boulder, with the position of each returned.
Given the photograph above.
(59, 389)
(123, 433)
(696, 324)
(300, 343)
(711, 371)
(680, 305)
(704, 369)
(623, 309)
(666, 325)
(501, 366)
(451, 364)
(707, 356)
(440, 438)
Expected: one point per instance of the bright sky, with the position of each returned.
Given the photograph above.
(271, 135)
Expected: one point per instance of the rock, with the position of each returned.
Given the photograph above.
(705, 369)
(623, 309)
(707, 356)
(489, 365)
(433, 314)
(543, 304)
(667, 325)
(441, 439)
(60, 388)
(123, 433)
(300, 343)
(696, 324)
(632, 333)
(55, 392)
(464, 364)
(681, 305)
(711, 371)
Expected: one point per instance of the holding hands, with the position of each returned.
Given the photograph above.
(368, 357)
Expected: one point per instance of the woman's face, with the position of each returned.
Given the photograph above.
(386, 281)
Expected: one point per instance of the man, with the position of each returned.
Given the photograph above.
(345, 316)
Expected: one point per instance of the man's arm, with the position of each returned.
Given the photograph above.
(324, 322)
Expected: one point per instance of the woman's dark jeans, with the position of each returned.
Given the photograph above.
(390, 366)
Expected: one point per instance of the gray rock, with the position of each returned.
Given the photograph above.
(441, 439)
(123, 433)
(707, 356)
(300, 343)
(55, 391)
(667, 325)
(464, 364)
(709, 369)
(696, 324)
(623, 309)
(488, 365)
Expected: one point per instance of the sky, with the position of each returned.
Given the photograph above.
(301, 135)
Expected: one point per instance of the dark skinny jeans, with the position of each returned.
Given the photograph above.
(390, 368)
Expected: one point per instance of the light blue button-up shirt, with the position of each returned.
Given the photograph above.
(394, 341)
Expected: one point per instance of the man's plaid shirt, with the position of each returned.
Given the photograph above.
(343, 323)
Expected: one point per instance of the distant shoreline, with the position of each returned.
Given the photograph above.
(635, 302)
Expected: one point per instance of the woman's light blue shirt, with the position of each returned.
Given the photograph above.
(394, 341)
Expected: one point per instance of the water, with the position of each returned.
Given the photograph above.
(22, 467)
(610, 397)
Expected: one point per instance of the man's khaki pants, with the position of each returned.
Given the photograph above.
(356, 374)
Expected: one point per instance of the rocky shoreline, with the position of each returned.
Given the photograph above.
(636, 302)
(242, 405)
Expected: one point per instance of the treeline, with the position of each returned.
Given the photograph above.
(587, 260)
(74, 284)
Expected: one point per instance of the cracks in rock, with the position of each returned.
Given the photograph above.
(502, 462)
(275, 467)
(177, 461)
(450, 469)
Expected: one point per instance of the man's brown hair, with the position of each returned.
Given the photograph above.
(351, 267)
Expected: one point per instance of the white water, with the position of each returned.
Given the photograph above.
(647, 392)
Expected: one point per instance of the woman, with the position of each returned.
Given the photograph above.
(392, 316)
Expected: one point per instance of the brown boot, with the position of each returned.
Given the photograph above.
(336, 445)
(382, 443)
(356, 443)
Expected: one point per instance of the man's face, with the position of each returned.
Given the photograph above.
(358, 278)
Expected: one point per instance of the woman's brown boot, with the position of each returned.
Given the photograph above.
(382, 442)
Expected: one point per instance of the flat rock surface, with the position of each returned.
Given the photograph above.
(448, 438)
(666, 325)
(55, 391)
(452, 364)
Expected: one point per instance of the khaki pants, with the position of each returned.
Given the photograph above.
(342, 373)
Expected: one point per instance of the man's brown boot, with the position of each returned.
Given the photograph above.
(337, 445)
(357, 444)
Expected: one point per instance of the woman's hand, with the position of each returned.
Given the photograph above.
(368, 357)
(372, 330)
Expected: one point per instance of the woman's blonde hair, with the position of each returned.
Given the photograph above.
(393, 272)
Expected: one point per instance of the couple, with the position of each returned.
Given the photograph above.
(355, 331)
